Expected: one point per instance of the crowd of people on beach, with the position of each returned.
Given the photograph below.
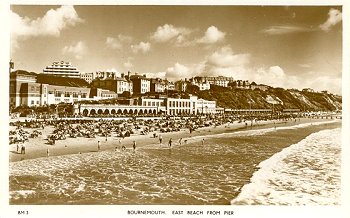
(93, 128)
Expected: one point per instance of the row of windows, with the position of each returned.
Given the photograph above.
(60, 67)
(108, 95)
(179, 111)
(122, 83)
(179, 104)
(152, 103)
(68, 94)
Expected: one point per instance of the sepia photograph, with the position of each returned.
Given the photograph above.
(175, 105)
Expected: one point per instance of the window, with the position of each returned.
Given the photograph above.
(37, 102)
(57, 94)
(32, 102)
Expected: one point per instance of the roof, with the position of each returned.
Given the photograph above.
(61, 81)
(138, 77)
(23, 72)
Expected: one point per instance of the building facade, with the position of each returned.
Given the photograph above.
(88, 77)
(202, 85)
(17, 78)
(141, 84)
(26, 91)
(117, 85)
(157, 85)
(168, 106)
(62, 68)
(213, 80)
(206, 107)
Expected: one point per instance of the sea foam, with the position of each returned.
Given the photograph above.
(306, 173)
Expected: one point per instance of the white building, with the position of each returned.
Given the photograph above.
(181, 106)
(124, 85)
(62, 68)
(88, 77)
(202, 85)
(206, 107)
(212, 80)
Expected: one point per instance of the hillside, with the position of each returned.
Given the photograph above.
(257, 99)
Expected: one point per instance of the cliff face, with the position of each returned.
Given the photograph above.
(281, 98)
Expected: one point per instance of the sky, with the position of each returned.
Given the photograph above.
(281, 46)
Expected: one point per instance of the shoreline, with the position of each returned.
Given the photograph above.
(37, 148)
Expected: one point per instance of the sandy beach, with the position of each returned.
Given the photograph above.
(37, 147)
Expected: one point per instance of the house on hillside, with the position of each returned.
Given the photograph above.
(308, 90)
(262, 87)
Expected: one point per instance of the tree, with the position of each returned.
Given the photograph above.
(192, 89)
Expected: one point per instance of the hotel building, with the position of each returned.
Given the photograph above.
(213, 80)
(62, 68)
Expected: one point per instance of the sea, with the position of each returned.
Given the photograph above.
(287, 165)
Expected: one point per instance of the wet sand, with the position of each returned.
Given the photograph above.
(37, 147)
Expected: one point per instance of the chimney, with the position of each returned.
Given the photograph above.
(129, 74)
(122, 75)
(144, 75)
